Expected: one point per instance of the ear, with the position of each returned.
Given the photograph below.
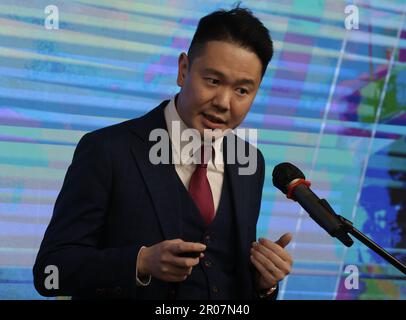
(183, 66)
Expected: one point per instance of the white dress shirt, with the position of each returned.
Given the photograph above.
(215, 169)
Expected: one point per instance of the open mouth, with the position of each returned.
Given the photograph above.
(213, 118)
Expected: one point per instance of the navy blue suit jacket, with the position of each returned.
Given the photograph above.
(114, 200)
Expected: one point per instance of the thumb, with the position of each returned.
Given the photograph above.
(284, 240)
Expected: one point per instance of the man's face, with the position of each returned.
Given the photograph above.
(218, 88)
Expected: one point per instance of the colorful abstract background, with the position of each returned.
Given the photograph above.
(333, 102)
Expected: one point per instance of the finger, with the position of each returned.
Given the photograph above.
(284, 240)
(183, 262)
(276, 260)
(182, 247)
(175, 240)
(277, 273)
(265, 262)
(179, 272)
(263, 271)
(171, 270)
(276, 249)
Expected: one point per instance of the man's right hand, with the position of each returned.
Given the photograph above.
(163, 260)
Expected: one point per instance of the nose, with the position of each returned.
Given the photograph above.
(222, 100)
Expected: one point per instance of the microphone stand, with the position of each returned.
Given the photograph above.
(345, 226)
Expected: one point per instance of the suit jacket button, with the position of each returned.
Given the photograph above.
(215, 289)
(207, 264)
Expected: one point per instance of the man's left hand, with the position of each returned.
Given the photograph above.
(271, 260)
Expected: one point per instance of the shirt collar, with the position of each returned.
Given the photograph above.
(173, 119)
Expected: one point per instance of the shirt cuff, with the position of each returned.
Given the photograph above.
(145, 280)
(267, 292)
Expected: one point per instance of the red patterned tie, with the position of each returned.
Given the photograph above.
(200, 191)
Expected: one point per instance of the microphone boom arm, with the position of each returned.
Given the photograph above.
(346, 226)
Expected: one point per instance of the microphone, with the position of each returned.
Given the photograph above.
(292, 182)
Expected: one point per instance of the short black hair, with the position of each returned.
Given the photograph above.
(238, 26)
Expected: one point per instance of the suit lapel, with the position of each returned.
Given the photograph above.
(159, 179)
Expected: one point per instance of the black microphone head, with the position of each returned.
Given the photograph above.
(283, 174)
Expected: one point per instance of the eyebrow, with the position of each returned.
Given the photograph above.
(222, 75)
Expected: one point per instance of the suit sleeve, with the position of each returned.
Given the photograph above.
(72, 239)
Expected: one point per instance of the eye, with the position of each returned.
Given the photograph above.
(212, 81)
(242, 91)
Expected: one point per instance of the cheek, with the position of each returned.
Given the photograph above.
(200, 101)
(197, 93)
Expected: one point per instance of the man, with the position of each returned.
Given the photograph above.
(124, 227)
